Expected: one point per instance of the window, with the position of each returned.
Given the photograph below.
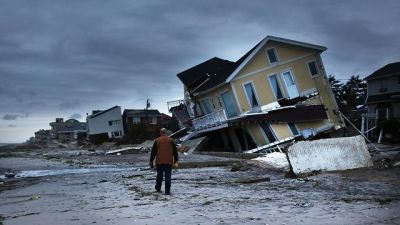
(114, 122)
(290, 84)
(117, 133)
(251, 96)
(269, 133)
(135, 120)
(272, 55)
(312, 66)
(293, 129)
(229, 104)
(207, 107)
(273, 80)
(153, 120)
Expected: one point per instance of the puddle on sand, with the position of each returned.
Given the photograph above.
(42, 173)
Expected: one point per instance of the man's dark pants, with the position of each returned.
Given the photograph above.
(161, 170)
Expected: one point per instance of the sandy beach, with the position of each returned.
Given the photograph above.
(77, 187)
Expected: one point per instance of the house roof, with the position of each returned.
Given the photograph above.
(259, 46)
(71, 129)
(102, 112)
(388, 70)
(139, 112)
(216, 71)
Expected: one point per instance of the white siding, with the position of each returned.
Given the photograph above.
(100, 124)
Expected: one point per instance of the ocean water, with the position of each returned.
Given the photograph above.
(2, 144)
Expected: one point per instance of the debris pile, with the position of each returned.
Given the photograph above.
(329, 155)
(275, 160)
(190, 146)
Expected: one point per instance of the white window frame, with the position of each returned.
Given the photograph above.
(221, 100)
(254, 91)
(276, 55)
(114, 123)
(284, 82)
(279, 83)
(116, 132)
(209, 99)
(316, 67)
(265, 135)
(153, 118)
(135, 121)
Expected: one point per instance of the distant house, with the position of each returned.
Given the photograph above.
(42, 136)
(276, 92)
(383, 96)
(168, 122)
(107, 122)
(149, 118)
(55, 126)
(69, 130)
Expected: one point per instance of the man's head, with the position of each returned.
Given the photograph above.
(163, 131)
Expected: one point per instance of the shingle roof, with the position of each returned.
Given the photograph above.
(388, 70)
(139, 112)
(217, 69)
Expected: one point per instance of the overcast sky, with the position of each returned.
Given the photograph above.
(65, 58)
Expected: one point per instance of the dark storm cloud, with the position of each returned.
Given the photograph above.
(14, 116)
(75, 116)
(11, 116)
(69, 56)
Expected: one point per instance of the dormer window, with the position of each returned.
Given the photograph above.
(272, 55)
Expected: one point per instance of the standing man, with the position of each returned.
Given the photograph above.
(165, 153)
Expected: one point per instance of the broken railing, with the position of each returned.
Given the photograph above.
(210, 120)
(268, 147)
(172, 104)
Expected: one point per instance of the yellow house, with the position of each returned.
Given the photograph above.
(275, 93)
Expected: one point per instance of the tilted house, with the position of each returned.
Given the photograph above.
(106, 122)
(276, 92)
(383, 96)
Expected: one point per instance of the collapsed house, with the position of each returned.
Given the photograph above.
(277, 92)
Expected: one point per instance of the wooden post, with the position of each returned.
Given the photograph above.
(363, 124)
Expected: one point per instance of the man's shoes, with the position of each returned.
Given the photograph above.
(168, 193)
(158, 190)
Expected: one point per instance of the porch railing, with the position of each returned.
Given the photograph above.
(210, 120)
(175, 103)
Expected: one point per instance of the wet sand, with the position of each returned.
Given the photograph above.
(209, 195)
